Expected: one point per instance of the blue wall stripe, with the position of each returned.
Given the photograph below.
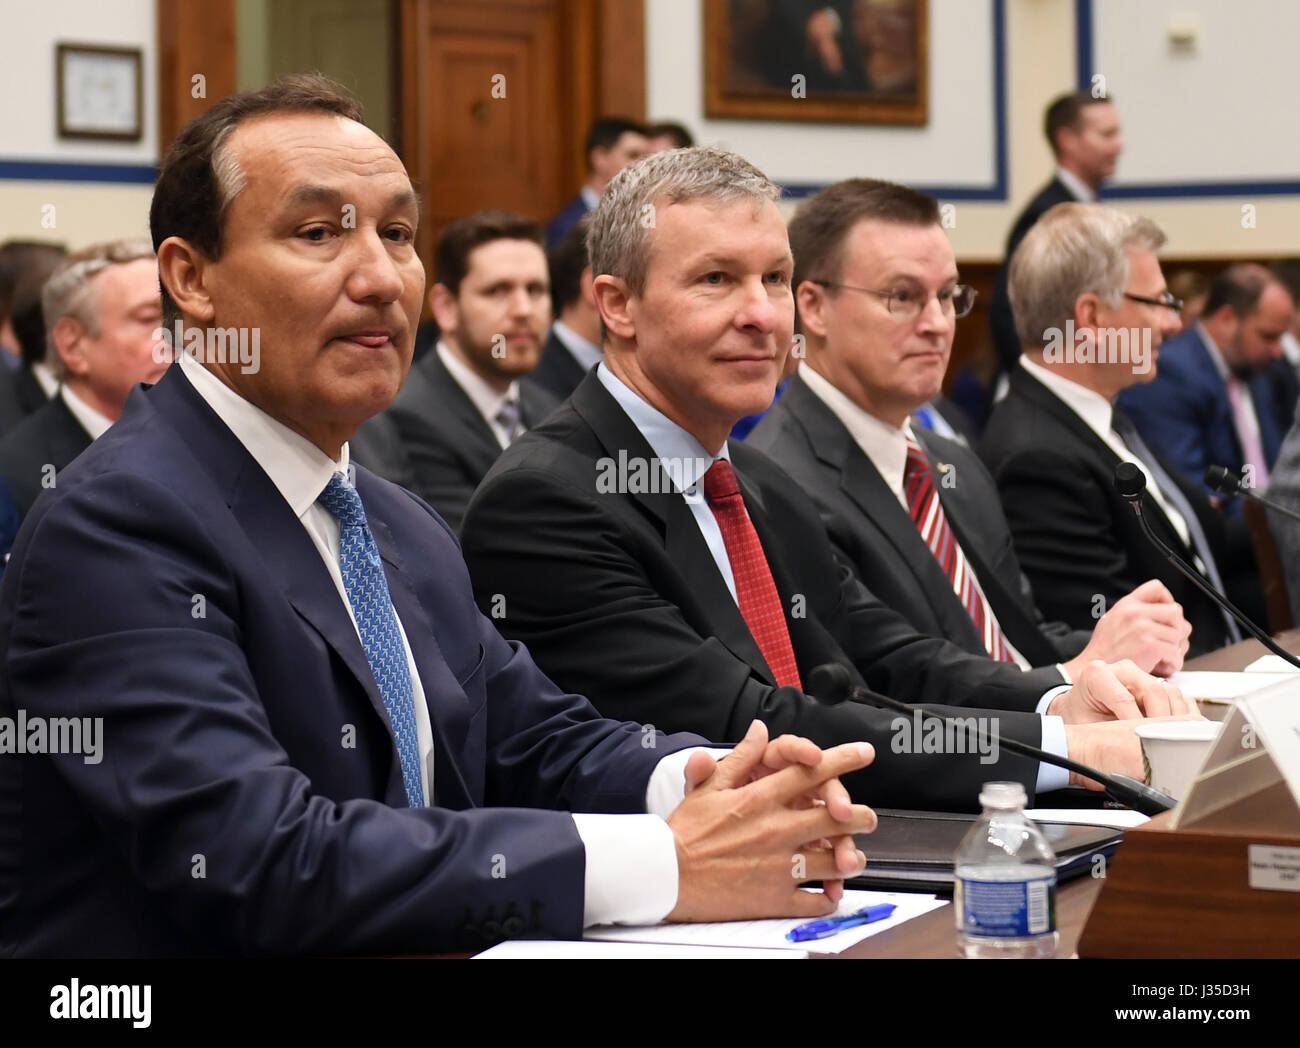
(62, 171)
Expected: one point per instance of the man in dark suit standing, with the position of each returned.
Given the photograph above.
(917, 515)
(1214, 401)
(687, 579)
(102, 314)
(465, 401)
(1092, 308)
(300, 736)
(613, 142)
(573, 346)
(1083, 132)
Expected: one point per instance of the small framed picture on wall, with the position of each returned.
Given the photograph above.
(98, 92)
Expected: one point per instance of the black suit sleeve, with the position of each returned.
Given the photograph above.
(573, 581)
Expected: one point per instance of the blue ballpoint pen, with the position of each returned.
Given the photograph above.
(829, 926)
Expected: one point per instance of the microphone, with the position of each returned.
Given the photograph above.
(1131, 483)
(831, 683)
(1225, 482)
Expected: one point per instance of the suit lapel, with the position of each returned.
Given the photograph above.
(261, 511)
(684, 546)
(447, 407)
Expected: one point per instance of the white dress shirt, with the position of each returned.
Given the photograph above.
(91, 420)
(1079, 189)
(481, 395)
(586, 353)
(49, 382)
(631, 867)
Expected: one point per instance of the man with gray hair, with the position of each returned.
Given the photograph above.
(102, 311)
(1091, 310)
(687, 582)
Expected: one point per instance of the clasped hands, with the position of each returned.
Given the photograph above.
(768, 816)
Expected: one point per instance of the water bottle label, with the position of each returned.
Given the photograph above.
(1006, 909)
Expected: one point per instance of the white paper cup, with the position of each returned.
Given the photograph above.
(1173, 751)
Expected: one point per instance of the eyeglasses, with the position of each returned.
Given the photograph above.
(1165, 299)
(910, 302)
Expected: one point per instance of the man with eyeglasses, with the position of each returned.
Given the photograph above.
(686, 580)
(917, 515)
(1091, 310)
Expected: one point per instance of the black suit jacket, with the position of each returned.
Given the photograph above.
(1000, 316)
(618, 590)
(50, 436)
(1075, 535)
(558, 372)
(20, 395)
(433, 439)
(871, 528)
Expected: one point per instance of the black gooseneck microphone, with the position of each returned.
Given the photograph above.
(1225, 482)
(1131, 483)
(831, 683)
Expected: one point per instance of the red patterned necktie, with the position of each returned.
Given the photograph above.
(927, 513)
(760, 603)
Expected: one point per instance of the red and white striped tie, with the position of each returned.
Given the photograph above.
(927, 513)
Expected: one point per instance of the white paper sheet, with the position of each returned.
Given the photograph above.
(770, 935)
(1271, 664)
(1220, 686)
(567, 950)
(1119, 818)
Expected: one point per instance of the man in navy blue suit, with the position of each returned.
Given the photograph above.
(613, 142)
(248, 704)
(1213, 401)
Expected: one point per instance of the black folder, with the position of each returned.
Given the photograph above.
(912, 851)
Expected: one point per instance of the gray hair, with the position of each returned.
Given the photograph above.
(70, 293)
(1074, 249)
(618, 242)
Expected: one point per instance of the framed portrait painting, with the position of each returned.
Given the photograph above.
(848, 61)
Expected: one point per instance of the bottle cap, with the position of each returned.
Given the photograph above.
(1004, 796)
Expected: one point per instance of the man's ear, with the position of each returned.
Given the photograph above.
(1087, 312)
(182, 269)
(810, 300)
(69, 337)
(442, 304)
(613, 302)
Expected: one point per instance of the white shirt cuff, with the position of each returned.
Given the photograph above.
(631, 872)
(1050, 777)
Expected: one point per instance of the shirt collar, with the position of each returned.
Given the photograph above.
(46, 377)
(91, 420)
(883, 444)
(484, 397)
(297, 467)
(1093, 408)
(1220, 365)
(586, 353)
(683, 456)
(1079, 189)
(589, 197)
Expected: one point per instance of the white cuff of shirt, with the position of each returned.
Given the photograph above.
(631, 871)
(1050, 777)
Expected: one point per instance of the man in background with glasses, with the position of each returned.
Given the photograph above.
(1084, 276)
(916, 514)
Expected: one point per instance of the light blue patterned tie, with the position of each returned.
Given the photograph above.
(367, 590)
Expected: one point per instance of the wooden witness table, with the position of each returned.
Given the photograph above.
(934, 934)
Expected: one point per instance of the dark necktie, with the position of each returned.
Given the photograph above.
(372, 606)
(760, 603)
(1173, 494)
(930, 520)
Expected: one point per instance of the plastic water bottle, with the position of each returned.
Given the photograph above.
(1005, 890)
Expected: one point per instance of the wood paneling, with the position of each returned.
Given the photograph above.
(194, 39)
